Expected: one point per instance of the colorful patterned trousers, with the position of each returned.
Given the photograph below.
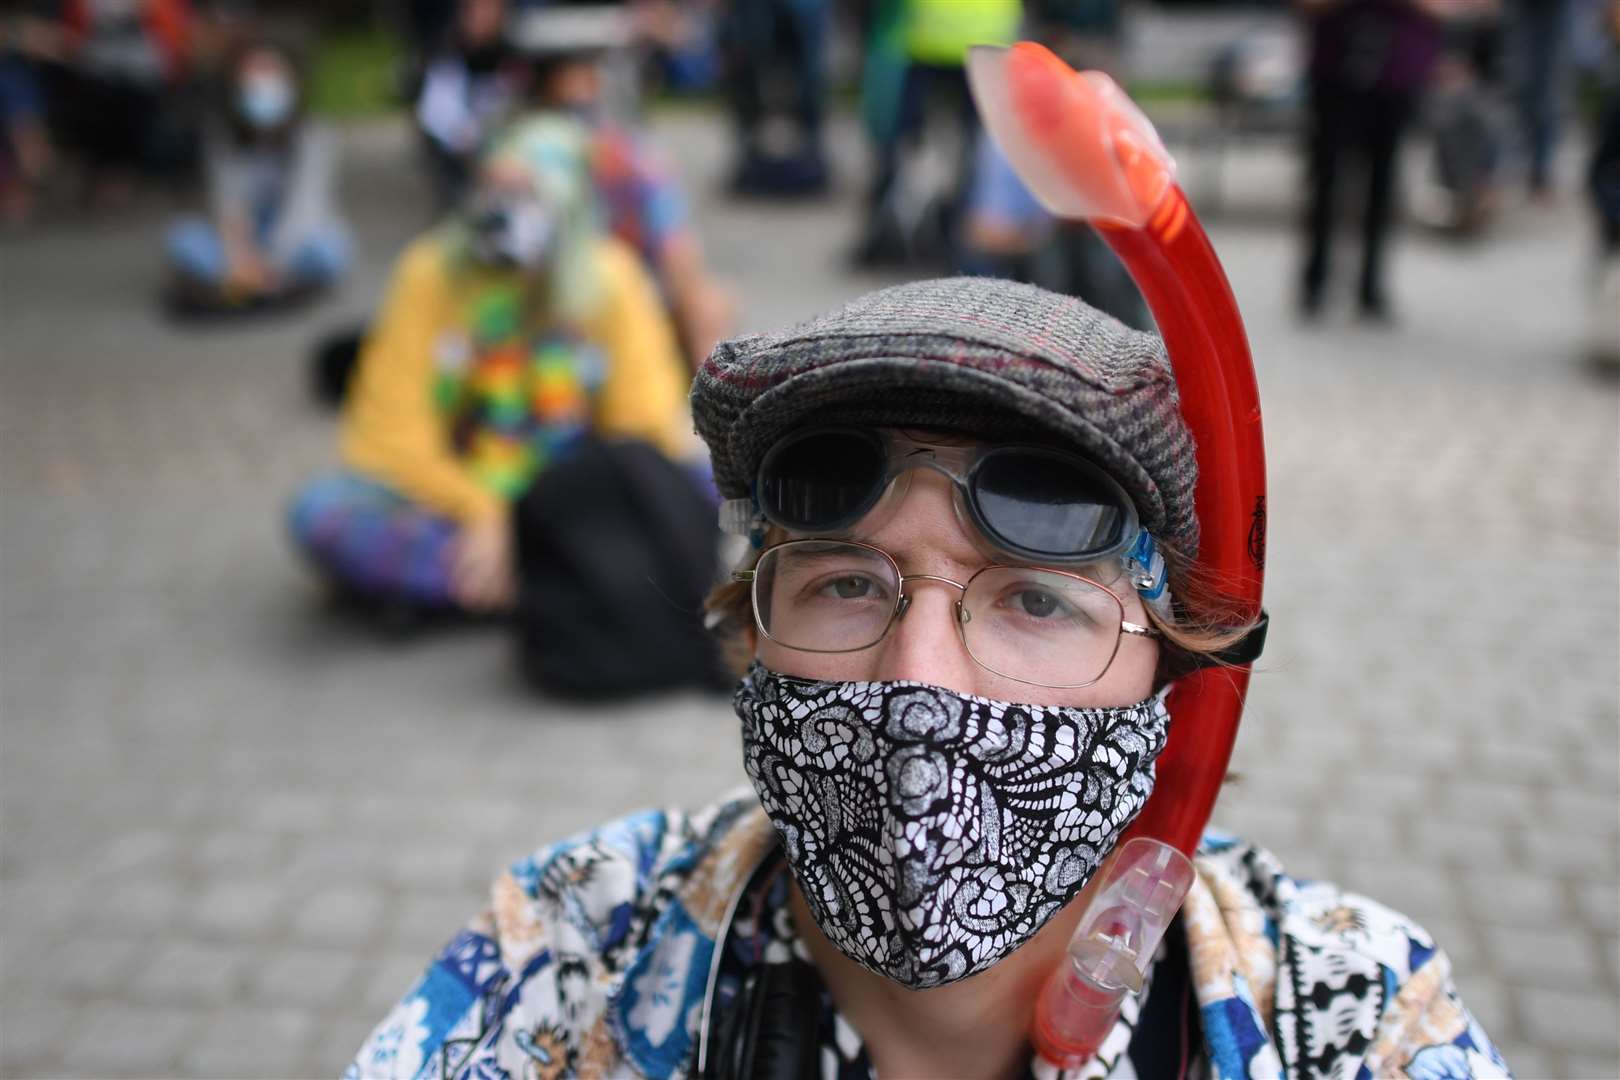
(368, 538)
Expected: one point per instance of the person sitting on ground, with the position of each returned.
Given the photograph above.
(972, 578)
(637, 195)
(508, 333)
(273, 232)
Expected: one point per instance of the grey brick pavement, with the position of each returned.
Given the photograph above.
(235, 826)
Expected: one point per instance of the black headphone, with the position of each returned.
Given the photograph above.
(769, 1031)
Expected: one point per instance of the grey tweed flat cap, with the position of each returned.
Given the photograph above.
(989, 358)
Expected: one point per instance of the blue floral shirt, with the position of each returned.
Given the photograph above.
(596, 954)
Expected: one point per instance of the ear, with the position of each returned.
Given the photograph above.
(738, 645)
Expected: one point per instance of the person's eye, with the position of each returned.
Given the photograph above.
(1034, 601)
(850, 587)
(843, 586)
(1038, 603)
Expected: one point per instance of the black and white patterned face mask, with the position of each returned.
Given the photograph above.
(934, 833)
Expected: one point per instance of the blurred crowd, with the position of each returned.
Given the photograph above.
(96, 95)
(1490, 82)
(561, 298)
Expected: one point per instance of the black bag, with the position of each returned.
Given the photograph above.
(332, 366)
(616, 549)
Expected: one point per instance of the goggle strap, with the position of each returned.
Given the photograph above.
(1146, 568)
(741, 517)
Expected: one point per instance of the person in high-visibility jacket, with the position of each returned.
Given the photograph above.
(916, 49)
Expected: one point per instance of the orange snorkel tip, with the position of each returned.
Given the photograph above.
(1083, 147)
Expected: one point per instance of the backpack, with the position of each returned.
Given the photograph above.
(332, 366)
(616, 548)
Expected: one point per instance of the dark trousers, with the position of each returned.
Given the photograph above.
(1604, 177)
(777, 41)
(925, 89)
(1538, 41)
(1349, 125)
(114, 122)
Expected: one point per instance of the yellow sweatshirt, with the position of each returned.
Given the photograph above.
(397, 433)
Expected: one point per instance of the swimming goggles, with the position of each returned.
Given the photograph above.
(1033, 504)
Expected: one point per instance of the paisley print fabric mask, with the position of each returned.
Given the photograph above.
(934, 833)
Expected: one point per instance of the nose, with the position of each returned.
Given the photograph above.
(924, 644)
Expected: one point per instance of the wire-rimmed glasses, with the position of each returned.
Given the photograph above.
(1052, 628)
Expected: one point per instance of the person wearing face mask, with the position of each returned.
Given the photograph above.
(469, 88)
(572, 56)
(508, 333)
(273, 232)
(970, 580)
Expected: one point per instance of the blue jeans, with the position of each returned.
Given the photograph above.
(1539, 42)
(197, 253)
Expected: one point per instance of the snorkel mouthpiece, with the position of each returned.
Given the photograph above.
(1108, 956)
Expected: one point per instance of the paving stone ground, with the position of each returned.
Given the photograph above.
(235, 824)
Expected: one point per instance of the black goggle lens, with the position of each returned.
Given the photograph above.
(1045, 504)
(822, 481)
(1031, 501)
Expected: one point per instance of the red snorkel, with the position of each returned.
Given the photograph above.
(1087, 153)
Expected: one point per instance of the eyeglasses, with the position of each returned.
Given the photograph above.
(1033, 625)
(1033, 503)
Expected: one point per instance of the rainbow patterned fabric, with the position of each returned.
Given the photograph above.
(512, 397)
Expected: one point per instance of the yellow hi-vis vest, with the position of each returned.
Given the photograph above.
(940, 31)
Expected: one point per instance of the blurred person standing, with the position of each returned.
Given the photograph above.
(776, 50)
(1369, 62)
(1603, 182)
(273, 232)
(469, 88)
(1471, 122)
(1538, 45)
(25, 145)
(915, 53)
(638, 193)
(508, 333)
(427, 25)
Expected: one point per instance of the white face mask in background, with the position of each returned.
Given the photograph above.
(933, 833)
(266, 101)
(512, 231)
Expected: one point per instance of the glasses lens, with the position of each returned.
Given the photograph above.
(822, 480)
(1049, 504)
(824, 596)
(1039, 626)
